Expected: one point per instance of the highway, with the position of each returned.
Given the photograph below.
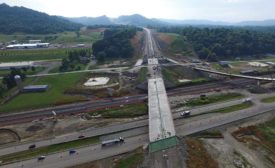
(30, 115)
(109, 129)
(138, 129)
(95, 152)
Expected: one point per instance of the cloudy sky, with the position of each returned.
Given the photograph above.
(216, 10)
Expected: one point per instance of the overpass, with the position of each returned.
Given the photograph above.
(235, 75)
(162, 133)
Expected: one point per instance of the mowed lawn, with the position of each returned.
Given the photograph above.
(32, 55)
(53, 96)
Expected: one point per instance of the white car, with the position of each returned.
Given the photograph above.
(185, 113)
(247, 99)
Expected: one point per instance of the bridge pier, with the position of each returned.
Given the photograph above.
(258, 83)
(273, 84)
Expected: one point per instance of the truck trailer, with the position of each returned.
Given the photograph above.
(112, 142)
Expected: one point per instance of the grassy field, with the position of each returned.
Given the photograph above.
(174, 74)
(126, 111)
(32, 55)
(209, 134)
(268, 100)
(213, 99)
(268, 129)
(179, 45)
(53, 96)
(131, 161)
(142, 75)
(64, 37)
(48, 149)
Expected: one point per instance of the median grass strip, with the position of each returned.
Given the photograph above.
(268, 100)
(233, 108)
(213, 99)
(48, 150)
(125, 111)
(209, 134)
(53, 96)
(229, 109)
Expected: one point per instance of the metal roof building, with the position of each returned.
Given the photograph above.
(35, 88)
(9, 65)
(28, 46)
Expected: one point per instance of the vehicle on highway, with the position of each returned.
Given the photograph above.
(40, 158)
(112, 142)
(247, 99)
(81, 136)
(33, 146)
(72, 151)
(185, 113)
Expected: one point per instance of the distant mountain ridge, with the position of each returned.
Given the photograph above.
(24, 20)
(101, 20)
(135, 20)
(209, 22)
(139, 20)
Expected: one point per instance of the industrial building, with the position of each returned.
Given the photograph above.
(35, 88)
(16, 65)
(224, 63)
(35, 41)
(28, 46)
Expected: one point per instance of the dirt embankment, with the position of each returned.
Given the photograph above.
(260, 139)
(198, 157)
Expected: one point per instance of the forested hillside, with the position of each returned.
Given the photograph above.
(227, 42)
(23, 20)
(115, 44)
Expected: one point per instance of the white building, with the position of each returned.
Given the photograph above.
(35, 41)
(28, 46)
(17, 65)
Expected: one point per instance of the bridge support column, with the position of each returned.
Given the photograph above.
(258, 83)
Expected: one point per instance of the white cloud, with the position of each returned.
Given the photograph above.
(232, 1)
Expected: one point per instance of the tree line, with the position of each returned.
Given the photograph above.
(75, 57)
(227, 42)
(115, 44)
(8, 81)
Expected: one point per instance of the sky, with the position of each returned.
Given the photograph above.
(215, 10)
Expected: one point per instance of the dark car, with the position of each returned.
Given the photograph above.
(32, 146)
(72, 151)
(40, 158)
(81, 136)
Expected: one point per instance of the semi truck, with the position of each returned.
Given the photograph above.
(112, 142)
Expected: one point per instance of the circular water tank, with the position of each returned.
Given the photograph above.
(17, 77)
